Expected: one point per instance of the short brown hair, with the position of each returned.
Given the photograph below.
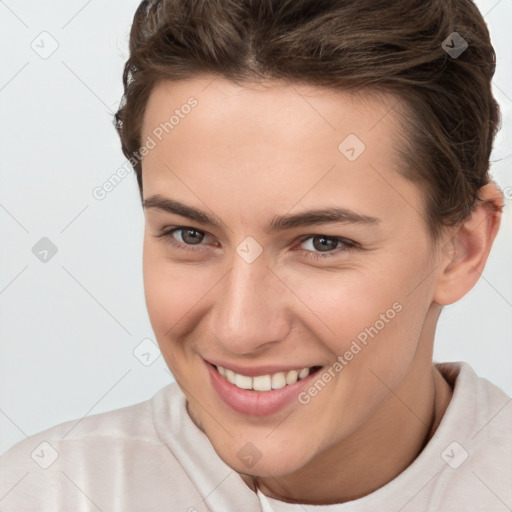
(381, 45)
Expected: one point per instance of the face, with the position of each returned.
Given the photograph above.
(257, 285)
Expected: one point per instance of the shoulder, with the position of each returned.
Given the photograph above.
(480, 403)
(85, 459)
(133, 421)
(474, 442)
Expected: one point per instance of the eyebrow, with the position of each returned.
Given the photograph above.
(278, 223)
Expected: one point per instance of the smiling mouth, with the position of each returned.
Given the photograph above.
(266, 382)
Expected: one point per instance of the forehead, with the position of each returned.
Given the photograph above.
(266, 103)
(291, 121)
(274, 140)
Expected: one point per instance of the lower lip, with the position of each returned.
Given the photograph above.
(255, 403)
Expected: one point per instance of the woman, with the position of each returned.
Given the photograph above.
(314, 177)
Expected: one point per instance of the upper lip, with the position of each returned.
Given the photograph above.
(254, 371)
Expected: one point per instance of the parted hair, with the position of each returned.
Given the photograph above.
(394, 46)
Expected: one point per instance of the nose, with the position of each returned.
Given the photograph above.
(250, 310)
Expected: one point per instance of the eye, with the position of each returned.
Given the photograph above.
(328, 246)
(190, 237)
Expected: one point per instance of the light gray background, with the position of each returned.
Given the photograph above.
(69, 327)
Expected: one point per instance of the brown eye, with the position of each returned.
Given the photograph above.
(189, 240)
(190, 236)
(324, 243)
(324, 246)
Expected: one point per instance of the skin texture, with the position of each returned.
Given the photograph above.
(246, 154)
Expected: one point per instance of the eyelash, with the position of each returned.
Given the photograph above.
(349, 244)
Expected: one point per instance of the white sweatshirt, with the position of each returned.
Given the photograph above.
(152, 457)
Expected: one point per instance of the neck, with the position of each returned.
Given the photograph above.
(375, 454)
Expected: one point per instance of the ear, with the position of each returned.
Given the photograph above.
(465, 253)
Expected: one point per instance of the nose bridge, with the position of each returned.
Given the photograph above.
(249, 307)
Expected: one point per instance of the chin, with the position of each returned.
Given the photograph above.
(265, 462)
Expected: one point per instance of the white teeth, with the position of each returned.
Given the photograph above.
(278, 380)
(242, 381)
(263, 382)
(292, 376)
(303, 373)
(230, 375)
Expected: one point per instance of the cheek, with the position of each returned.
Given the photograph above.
(372, 337)
(169, 290)
(171, 299)
(341, 305)
(367, 316)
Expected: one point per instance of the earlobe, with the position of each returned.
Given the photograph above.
(465, 252)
